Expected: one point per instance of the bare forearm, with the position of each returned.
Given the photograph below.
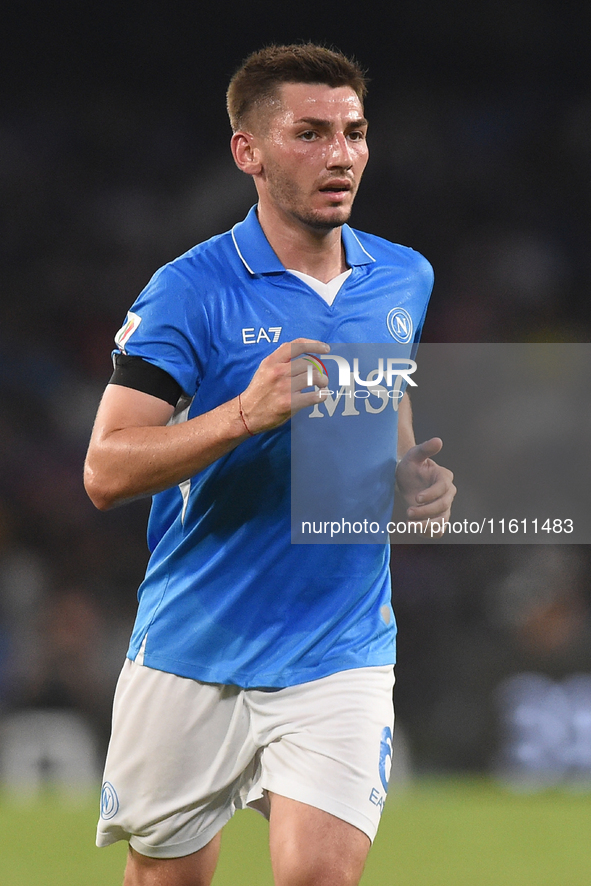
(406, 436)
(426, 487)
(133, 461)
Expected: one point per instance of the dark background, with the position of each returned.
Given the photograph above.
(114, 158)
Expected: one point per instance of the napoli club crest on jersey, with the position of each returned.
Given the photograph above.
(400, 325)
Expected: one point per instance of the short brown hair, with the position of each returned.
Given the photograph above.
(259, 76)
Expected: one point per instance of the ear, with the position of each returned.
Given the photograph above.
(246, 153)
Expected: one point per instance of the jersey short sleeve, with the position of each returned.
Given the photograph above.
(168, 327)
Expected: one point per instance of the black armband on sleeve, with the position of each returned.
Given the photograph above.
(137, 373)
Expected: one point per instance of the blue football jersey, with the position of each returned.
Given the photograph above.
(227, 598)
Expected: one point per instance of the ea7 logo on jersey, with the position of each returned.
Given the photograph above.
(270, 335)
(400, 325)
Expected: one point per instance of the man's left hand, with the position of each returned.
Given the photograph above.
(427, 487)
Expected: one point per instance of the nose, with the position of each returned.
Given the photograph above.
(339, 154)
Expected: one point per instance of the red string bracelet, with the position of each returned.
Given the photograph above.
(242, 417)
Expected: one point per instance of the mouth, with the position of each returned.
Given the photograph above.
(336, 187)
(338, 190)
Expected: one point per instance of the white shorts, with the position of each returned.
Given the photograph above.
(185, 755)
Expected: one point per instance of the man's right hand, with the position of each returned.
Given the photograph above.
(276, 390)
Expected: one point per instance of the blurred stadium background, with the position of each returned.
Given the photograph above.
(113, 159)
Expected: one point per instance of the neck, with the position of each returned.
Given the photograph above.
(317, 252)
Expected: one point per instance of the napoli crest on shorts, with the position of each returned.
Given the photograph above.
(400, 325)
(385, 756)
(109, 801)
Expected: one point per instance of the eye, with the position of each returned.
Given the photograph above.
(308, 136)
(357, 135)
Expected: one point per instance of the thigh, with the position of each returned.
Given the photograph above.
(329, 744)
(178, 759)
(196, 869)
(310, 847)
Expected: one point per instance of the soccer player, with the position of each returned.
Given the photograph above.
(259, 672)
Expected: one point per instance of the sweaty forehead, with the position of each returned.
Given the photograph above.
(294, 101)
(297, 100)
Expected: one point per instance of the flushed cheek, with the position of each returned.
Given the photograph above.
(361, 158)
(294, 157)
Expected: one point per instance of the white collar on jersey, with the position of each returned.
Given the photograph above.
(327, 291)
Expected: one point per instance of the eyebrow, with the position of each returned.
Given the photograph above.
(317, 121)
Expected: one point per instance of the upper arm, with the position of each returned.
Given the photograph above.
(128, 408)
(111, 457)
